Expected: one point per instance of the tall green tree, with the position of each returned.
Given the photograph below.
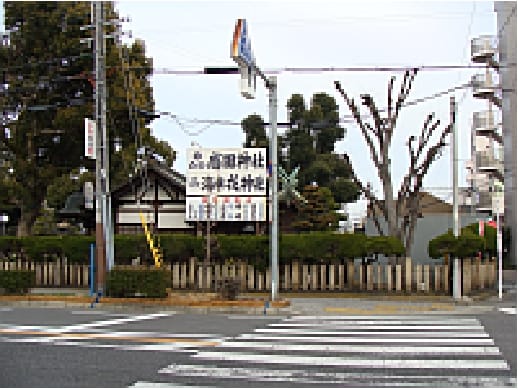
(309, 144)
(48, 91)
(317, 211)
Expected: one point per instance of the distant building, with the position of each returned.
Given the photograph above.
(435, 218)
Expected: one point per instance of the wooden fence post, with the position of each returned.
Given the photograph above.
(183, 275)
(331, 277)
(251, 278)
(369, 278)
(437, 275)
(242, 275)
(408, 274)
(466, 277)
(323, 274)
(350, 274)
(388, 267)
(482, 275)
(426, 277)
(446, 275)
(341, 277)
(398, 277)
(306, 277)
(314, 277)
(379, 280)
(286, 280)
(361, 272)
(295, 276)
(418, 277)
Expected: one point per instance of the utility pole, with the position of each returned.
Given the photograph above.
(457, 293)
(101, 149)
(274, 236)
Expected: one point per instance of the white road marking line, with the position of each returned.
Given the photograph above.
(87, 312)
(394, 349)
(360, 317)
(406, 333)
(294, 375)
(416, 329)
(71, 328)
(508, 310)
(484, 341)
(354, 362)
(71, 342)
(6, 308)
(401, 327)
(255, 317)
(161, 384)
(459, 321)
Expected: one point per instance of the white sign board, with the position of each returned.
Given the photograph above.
(498, 203)
(226, 208)
(90, 138)
(88, 192)
(226, 171)
(230, 182)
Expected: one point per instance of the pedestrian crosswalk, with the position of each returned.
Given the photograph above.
(349, 351)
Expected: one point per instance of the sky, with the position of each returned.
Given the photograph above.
(191, 35)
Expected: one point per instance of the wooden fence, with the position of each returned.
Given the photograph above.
(348, 276)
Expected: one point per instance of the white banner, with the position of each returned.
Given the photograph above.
(90, 138)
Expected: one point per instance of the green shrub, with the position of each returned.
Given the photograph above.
(489, 237)
(351, 246)
(442, 245)
(123, 283)
(19, 281)
(466, 245)
(77, 248)
(9, 244)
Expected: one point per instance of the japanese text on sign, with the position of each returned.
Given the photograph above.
(232, 171)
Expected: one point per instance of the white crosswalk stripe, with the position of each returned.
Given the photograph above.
(379, 351)
(508, 310)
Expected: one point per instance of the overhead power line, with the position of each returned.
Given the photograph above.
(273, 71)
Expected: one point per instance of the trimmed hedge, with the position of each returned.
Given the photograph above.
(19, 281)
(306, 247)
(127, 283)
(465, 245)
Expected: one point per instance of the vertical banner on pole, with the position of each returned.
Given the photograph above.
(90, 138)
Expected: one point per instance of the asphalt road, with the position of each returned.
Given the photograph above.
(32, 356)
(51, 347)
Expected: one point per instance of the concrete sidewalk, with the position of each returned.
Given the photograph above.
(340, 303)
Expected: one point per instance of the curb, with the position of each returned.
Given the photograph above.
(254, 306)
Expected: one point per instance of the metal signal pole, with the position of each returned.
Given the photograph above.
(457, 292)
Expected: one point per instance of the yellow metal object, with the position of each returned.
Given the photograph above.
(155, 250)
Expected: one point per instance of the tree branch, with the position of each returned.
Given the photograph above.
(356, 114)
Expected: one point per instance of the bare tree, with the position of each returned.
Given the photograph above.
(401, 214)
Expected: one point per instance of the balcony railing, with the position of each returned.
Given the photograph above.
(486, 162)
(484, 48)
(485, 201)
(484, 121)
(483, 86)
